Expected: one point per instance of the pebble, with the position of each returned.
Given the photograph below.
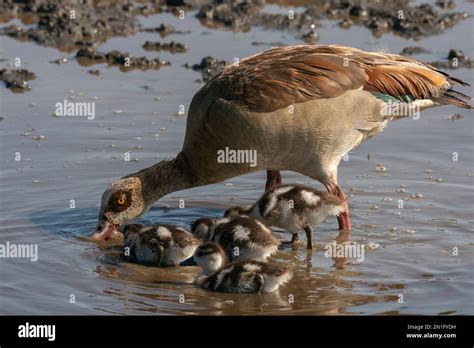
(60, 61)
(380, 168)
(38, 137)
(118, 112)
(372, 246)
(455, 117)
(417, 196)
(387, 199)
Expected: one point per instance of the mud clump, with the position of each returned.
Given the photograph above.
(67, 24)
(411, 50)
(164, 30)
(173, 47)
(446, 4)
(17, 79)
(455, 59)
(126, 62)
(94, 72)
(238, 14)
(209, 67)
(72, 24)
(399, 16)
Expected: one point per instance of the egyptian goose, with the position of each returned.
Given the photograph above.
(158, 245)
(294, 208)
(242, 238)
(240, 276)
(301, 108)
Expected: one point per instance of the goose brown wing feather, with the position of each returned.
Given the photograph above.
(284, 76)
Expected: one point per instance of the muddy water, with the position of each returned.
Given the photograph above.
(409, 250)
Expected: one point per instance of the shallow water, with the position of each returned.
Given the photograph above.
(412, 251)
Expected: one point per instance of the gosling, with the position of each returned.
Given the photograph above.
(293, 208)
(242, 238)
(158, 245)
(241, 276)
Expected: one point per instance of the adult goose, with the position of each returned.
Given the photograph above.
(301, 108)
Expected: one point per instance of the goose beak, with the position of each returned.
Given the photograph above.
(104, 230)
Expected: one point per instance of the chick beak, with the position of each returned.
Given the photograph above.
(104, 230)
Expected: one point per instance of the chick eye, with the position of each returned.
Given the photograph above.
(121, 200)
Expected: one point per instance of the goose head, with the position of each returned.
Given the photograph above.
(210, 257)
(203, 228)
(122, 201)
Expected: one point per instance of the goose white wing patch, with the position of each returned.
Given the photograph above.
(272, 203)
(241, 233)
(163, 232)
(249, 267)
(309, 197)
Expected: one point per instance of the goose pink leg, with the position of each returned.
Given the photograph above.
(273, 179)
(343, 219)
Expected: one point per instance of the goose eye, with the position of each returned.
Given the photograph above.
(121, 200)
